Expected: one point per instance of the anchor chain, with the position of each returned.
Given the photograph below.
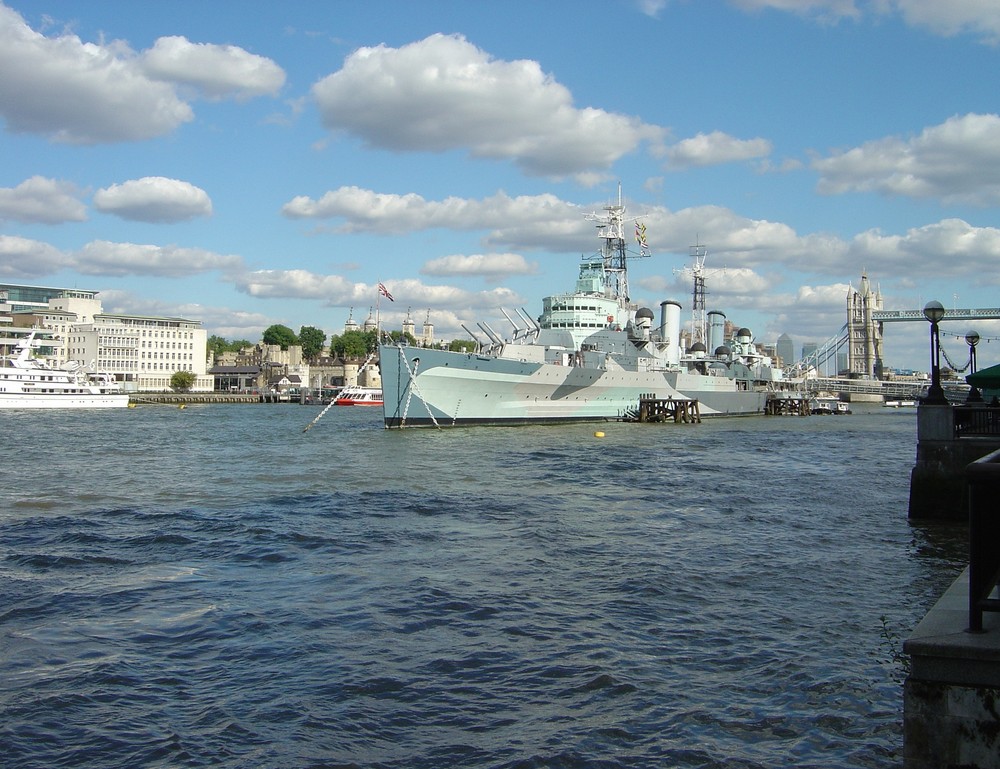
(412, 390)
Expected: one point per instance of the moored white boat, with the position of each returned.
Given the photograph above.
(590, 356)
(27, 382)
(359, 396)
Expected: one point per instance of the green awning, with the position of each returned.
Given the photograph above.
(986, 378)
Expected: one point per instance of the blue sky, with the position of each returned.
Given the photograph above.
(251, 163)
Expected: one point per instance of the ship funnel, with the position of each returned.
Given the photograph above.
(716, 329)
(670, 329)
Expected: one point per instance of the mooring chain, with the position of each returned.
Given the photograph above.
(413, 389)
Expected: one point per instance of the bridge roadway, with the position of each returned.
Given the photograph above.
(902, 390)
(890, 316)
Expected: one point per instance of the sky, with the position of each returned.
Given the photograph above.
(255, 163)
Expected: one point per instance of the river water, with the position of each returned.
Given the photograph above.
(215, 586)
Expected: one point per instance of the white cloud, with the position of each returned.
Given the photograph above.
(80, 93)
(229, 323)
(481, 265)
(953, 17)
(24, 258)
(300, 284)
(946, 18)
(442, 93)
(153, 199)
(217, 70)
(951, 247)
(957, 161)
(336, 291)
(736, 242)
(101, 257)
(369, 211)
(825, 10)
(652, 8)
(715, 148)
(41, 200)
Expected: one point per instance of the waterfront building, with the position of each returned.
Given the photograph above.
(143, 352)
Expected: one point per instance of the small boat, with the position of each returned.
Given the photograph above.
(359, 396)
(824, 406)
(27, 382)
(899, 404)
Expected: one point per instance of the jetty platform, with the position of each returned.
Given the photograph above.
(138, 399)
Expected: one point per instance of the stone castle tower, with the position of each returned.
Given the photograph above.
(408, 326)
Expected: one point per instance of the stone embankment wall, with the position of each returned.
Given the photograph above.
(951, 699)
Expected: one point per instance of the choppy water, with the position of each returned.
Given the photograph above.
(213, 586)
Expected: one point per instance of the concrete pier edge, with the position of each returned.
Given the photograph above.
(951, 698)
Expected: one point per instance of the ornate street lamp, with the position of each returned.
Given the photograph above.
(972, 339)
(934, 311)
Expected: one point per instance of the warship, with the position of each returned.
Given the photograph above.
(590, 356)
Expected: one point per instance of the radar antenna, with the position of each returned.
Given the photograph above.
(611, 229)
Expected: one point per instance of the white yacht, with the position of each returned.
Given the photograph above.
(27, 382)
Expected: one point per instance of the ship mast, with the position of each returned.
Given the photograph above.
(611, 229)
(698, 319)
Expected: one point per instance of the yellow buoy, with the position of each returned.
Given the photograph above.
(182, 406)
(598, 434)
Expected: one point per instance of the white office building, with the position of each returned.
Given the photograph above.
(143, 352)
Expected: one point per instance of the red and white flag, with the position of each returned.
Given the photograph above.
(385, 292)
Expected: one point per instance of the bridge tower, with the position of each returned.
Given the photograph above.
(864, 333)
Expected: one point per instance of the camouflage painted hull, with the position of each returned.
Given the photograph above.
(423, 387)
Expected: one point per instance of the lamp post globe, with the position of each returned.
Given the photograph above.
(972, 339)
(934, 312)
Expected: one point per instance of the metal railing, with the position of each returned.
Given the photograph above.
(984, 537)
(975, 420)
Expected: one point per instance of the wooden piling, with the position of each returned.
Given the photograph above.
(676, 410)
(791, 406)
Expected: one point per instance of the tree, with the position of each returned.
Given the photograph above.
(462, 345)
(397, 335)
(217, 345)
(280, 335)
(312, 341)
(182, 381)
(353, 343)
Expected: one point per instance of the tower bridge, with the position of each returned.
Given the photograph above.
(862, 335)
